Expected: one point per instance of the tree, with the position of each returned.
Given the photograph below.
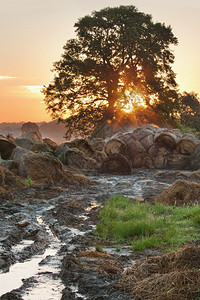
(190, 110)
(116, 49)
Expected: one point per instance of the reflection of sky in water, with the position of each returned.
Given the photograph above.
(47, 286)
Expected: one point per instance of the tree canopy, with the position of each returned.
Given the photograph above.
(115, 50)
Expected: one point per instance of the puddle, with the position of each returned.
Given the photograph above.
(48, 285)
(21, 246)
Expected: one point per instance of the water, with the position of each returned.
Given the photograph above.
(48, 285)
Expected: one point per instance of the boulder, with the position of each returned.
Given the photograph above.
(187, 144)
(6, 147)
(116, 164)
(46, 168)
(30, 127)
(114, 145)
(181, 193)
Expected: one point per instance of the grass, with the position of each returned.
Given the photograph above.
(28, 181)
(144, 226)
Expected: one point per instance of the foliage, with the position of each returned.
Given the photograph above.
(116, 49)
(28, 181)
(190, 111)
(147, 226)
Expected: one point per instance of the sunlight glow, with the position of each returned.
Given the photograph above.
(131, 101)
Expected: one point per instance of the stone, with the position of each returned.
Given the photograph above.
(116, 164)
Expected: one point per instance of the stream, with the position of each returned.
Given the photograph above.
(43, 232)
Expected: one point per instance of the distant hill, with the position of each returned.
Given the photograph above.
(52, 130)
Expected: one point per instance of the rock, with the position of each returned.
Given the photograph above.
(187, 144)
(49, 169)
(166, 139)
(78, 160)
(30, 127)
(6, 147)
(181, 193)
(114, 145)
(116, 164)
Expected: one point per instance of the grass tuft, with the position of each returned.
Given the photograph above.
(143, 225)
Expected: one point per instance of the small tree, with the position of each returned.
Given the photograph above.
(116, 49)
(190, 110)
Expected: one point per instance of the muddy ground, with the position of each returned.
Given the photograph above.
(47, 245)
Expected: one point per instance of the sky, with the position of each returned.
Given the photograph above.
(33, 33)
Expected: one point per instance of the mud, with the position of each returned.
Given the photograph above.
(47, 246)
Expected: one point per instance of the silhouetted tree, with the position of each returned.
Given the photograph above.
(116, 49)
(190, 110)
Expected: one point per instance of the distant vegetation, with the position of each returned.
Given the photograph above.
(144, 226)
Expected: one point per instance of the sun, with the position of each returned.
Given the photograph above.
(131, 101)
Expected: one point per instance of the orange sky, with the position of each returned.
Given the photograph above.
(33, 33)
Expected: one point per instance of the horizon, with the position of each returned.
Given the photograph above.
(35, 35)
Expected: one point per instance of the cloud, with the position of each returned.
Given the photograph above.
(7, 77)
(33, 88)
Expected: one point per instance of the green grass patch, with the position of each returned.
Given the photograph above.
(143, 225)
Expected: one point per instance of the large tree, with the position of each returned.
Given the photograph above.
(116, 49)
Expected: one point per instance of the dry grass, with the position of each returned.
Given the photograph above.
(170, 276)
